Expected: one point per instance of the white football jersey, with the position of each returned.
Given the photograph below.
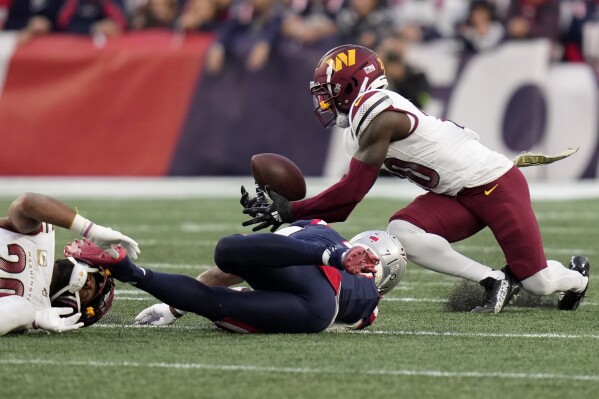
(26, 265)
(439, 156)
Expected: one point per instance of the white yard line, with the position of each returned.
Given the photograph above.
(174, 266)
(388, 332)
(476, 335)
(228, 187)
(303, 370)
(138, 295)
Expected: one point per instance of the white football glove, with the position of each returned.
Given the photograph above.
(105, 237)
(156, 315)
(49, 320)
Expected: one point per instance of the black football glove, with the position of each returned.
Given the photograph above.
(269, 215)
(259, 200)
(246, 201)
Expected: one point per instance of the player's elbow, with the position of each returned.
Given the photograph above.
(20, 213)
(27, 202)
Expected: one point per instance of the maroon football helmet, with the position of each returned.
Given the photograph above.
(342, 74)
(98, 305)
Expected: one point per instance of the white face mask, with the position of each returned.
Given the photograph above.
(77, 280)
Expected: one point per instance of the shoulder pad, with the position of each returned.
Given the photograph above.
(366, 108)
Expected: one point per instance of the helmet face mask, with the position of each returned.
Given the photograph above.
(100, 303)
(341, 75)
(393, 259)
(324, 108)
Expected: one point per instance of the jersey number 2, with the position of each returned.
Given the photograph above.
(11, 286)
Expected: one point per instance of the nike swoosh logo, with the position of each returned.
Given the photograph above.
(357, 102)
(489, 191)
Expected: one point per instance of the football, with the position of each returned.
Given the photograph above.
(280, 174)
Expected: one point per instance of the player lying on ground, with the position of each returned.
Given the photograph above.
(304, 279)
(35, 290)
(470, 186)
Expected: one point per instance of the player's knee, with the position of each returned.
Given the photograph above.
(404, 231)
(225, 252)
(416, 241)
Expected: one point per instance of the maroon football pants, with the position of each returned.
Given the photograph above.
(503, 205)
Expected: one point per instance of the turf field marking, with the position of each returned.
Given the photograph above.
(475, 335)
(174, 266)
(407, 299)
(176, 242)
(492, 248)
(138, 295)
(304, 370)
(381, 332)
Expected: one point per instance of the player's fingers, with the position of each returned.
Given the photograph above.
(369, 269)
(373, 257)
(71, 320)
(64, 311)
(244, 197)
(131, 250)
(249, 222)
(254, 210)
(353, 269)
(129, 240)
(261, 226)
(112, 252)
(144, 316)
(255, 220)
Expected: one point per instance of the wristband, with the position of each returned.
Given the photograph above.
(81, 225)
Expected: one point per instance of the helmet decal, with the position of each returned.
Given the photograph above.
(342, 59)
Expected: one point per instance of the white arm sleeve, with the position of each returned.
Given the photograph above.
(16, 313)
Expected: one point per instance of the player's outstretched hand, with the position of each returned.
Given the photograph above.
(246, 201)
(271, 215)
(104, 237)
(50, 320)
(108, 239)
(156, 315)
(359, 260)
(260, 200)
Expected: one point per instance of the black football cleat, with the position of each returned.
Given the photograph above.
(497, 294)
(570, 300)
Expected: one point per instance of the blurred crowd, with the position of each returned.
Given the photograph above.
(387, 26)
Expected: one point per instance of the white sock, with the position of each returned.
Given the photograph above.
(554, 278)
(433, 252)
